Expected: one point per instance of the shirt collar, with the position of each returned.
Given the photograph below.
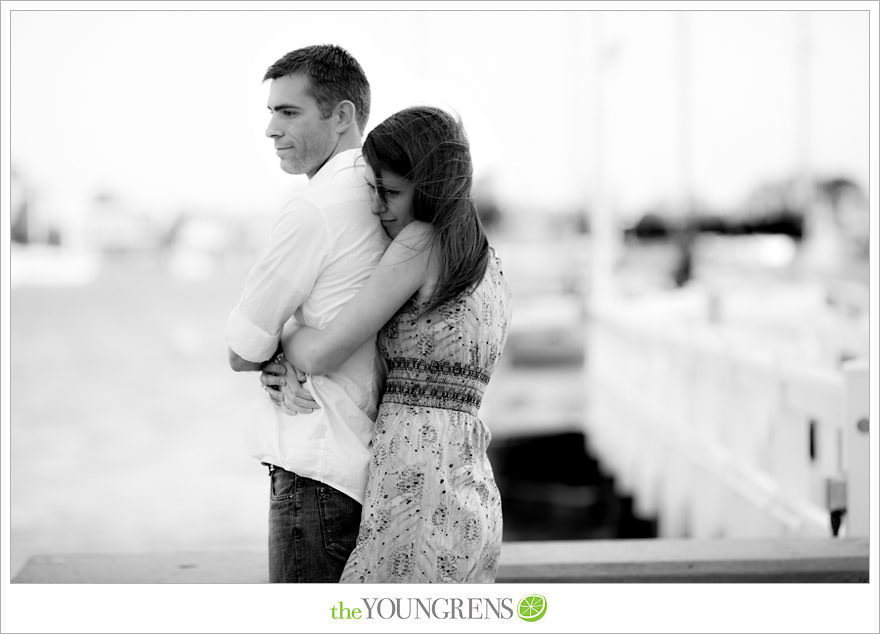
(342, 160)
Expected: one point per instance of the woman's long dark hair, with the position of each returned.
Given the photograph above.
(428, 147)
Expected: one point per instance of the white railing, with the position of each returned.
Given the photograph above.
(719, 438)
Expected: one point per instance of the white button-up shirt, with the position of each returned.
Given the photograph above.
(322, 249)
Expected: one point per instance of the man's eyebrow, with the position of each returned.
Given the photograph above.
(282, 106)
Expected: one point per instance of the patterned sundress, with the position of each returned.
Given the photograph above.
(432, 512)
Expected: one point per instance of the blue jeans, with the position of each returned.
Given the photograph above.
(312, 529)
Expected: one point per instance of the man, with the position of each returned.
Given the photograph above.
(322, 249)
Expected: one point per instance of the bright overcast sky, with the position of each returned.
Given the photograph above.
(166, 108)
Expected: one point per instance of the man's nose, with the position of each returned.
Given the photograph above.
(377, 203)
(272, 130)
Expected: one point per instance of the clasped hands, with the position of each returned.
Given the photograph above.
(285, 386)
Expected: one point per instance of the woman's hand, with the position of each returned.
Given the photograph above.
(284, 385)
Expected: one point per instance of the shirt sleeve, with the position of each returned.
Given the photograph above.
(280, 281)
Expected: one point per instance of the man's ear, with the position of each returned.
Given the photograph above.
(345, 114)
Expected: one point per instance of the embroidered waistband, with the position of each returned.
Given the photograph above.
(440, 384)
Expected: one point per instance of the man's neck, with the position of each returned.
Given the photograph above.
(345, 144)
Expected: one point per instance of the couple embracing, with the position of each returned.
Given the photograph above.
(375, 316)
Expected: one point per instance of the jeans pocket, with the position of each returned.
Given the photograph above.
(282, 485)
(340, 518)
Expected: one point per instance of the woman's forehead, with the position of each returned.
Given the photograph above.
(385, 176)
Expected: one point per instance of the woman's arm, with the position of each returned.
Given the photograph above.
(401, 272)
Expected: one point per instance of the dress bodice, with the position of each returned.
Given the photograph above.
(444, 357)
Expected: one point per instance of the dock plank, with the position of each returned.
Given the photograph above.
(592, 561)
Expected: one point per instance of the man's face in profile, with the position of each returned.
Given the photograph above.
(304, 140)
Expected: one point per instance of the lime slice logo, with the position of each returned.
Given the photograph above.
(532, 607)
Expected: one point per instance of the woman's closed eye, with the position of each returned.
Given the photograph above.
(382, 191)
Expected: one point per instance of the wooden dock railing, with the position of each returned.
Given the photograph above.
(819, 560)
(718, 432)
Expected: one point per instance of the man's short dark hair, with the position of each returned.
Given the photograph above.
(334, 74)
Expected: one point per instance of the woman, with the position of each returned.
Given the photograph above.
(440, 304)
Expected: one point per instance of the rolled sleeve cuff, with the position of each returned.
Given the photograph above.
(248, 341)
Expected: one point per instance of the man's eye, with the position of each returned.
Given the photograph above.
(288, 113)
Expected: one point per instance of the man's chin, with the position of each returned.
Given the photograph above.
(290, 168)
